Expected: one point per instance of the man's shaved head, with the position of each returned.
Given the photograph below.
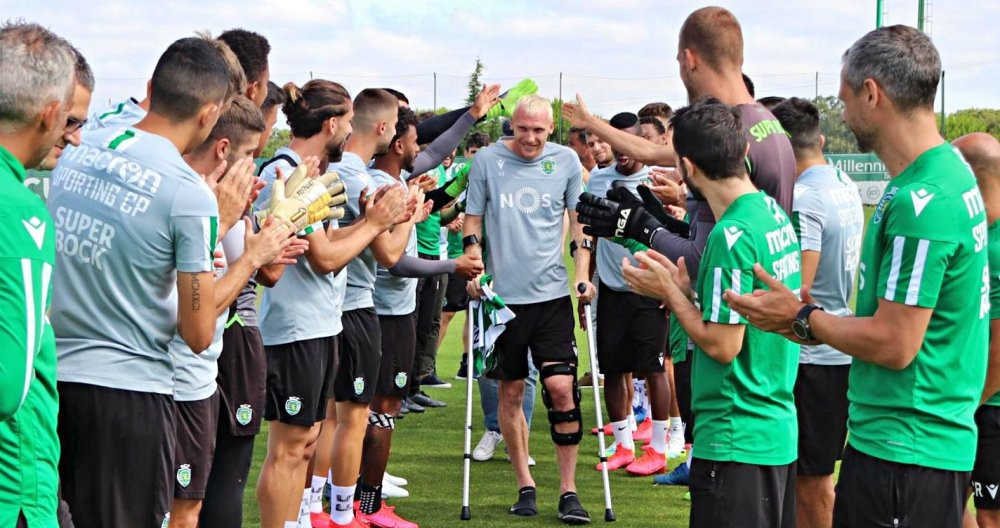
(982, 152)
(715, 34)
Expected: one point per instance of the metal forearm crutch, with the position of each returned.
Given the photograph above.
(609, 514)
(467, 462)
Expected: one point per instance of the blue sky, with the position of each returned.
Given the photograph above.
(619, 54)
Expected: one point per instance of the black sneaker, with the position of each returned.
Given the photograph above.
(414, 406)
(463, 367)
(570, 510)
(526, 506)
(404, 408)
(431, 380)
(421, 398)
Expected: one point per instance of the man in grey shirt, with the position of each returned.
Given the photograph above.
(828, 219)
(519, 190)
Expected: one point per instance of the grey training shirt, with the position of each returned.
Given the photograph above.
(361, 269)
(522, 203)
(610, 254)
(129, 214)
(395, 295)
(827, 215)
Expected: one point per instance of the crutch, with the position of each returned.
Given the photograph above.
(609, 514)
(469, 368)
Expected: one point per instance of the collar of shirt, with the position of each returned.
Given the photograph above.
(8, 163)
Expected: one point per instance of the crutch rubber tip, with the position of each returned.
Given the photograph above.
(466, 456)
(466, 514)
(609, 516)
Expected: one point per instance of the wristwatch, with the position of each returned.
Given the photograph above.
(800, 326)
(470, 240)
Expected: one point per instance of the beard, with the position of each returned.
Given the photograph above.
(695, 193)
(335, 150)
(865, 138)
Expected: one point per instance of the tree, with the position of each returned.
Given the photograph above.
(279, 138)
(475, 84)
(839, 138)
(971, 120)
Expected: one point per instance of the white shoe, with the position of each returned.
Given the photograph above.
(675, 444)
(531, 461)
(394, 480)
(391, 491)
(487, 446)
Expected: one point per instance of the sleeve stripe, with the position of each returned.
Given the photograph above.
(716, 293)
(913, 292)
(29, 312)
(897, 260)
(737, 286)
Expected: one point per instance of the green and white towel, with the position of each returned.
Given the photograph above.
(489, 319)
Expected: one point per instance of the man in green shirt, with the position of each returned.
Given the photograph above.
(36, 88)
(743, 468)
(982, 152)
(920, 335)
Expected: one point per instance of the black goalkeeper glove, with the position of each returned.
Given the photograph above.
(621, 214)
(656, 208)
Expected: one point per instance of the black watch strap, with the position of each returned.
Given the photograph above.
(800, 326)
(470, 241)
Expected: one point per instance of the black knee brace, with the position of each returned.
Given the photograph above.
(557, 417)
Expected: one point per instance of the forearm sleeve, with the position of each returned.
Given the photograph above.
(416, 267)
(445, 143)
(429, 129)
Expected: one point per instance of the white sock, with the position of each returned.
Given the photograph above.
(631, 421)
(676, 424)
(623, 436)
(688, 461)
(304, 521)
(316, 494)
(342, 503)
(291, 524)
(659, 440)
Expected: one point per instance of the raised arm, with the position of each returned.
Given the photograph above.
(632, 146)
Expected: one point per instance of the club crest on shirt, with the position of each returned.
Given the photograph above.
(548, 166)
(359, 385)
(244, 414)
(293, 405)
(400, 379)
(184, 475)
(882, 204)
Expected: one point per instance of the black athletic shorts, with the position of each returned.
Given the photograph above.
(986, 472)
(456, 297)
(360, 356)
(821, 403)
(875, 492)
(735, 495)
(298, 377)
(196, 422)
(399, 344)
(242, 380)
(546, 328)
(117, 461)
(631, 333)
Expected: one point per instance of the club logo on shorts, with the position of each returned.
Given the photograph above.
(400, 379)
(359, 385)
(293, 405)
(245, 413)
(166, 521)
(548, 166)
(184, 475)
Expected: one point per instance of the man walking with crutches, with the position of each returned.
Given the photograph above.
(521, 187)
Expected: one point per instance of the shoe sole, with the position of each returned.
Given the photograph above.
(574, 519)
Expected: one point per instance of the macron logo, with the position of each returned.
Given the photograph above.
(36, 229)
(992, 488)
(500, 164)
(920, 200)
(732, 235)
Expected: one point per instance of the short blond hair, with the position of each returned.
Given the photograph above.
(534, 105)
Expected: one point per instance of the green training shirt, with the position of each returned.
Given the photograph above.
(29, 446)
(429, 231)
(926, 246)
(744, 411)
(993, 249)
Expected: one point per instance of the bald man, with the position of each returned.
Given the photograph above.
(982, 152)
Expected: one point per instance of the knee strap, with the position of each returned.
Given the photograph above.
(558, 417)
(385, 421)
